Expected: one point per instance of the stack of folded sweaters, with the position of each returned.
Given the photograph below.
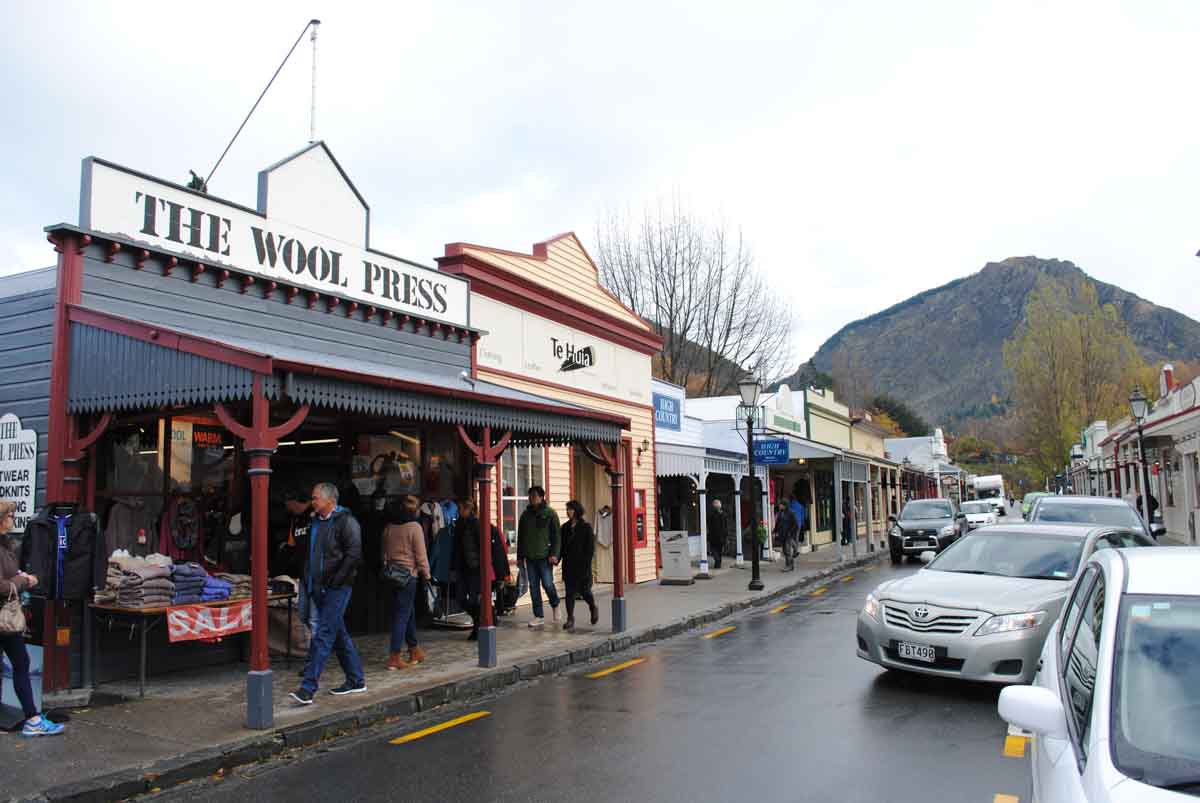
(190, 580)
(215, 590)
(121, 562)
(239, 584)
(146, 586)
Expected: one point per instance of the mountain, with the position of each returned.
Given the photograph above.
(942, 349)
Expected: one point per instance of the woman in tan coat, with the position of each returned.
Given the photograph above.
(404, 543)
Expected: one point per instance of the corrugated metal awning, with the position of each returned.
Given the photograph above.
(672, 460)
(116, 366)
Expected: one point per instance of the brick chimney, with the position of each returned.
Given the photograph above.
(1166, 381)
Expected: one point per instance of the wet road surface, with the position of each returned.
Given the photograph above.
(778, 708)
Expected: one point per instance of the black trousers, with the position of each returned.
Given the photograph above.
(585, 593)
(13, 645)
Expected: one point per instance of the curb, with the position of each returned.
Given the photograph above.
(215, 760)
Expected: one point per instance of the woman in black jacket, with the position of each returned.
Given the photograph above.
(578, 548)
(466, 561)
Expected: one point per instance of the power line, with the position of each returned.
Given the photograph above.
(204, 183)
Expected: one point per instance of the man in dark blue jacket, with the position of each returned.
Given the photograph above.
(334, 555)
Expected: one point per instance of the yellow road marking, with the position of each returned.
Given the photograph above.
(871, 568)
(818, 592)
(453, 723)
(1014, 746)
(781, 608)
(1006, 799)
(720, 632)
(847, 578)
(617, 668)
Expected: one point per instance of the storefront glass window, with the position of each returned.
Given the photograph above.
(133, 464)
(520, 468)
(202, 457)
(387, 466)
(824, 482)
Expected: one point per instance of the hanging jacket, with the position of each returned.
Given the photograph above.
(71, 569)
(180, 535)
(578, 548)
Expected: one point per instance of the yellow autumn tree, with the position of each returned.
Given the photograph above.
(1070, 363)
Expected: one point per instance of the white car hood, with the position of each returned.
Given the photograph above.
(995, 595)
(978, 518)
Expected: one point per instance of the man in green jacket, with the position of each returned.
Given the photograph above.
(539, 547)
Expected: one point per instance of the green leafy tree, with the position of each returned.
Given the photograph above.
(904, 416)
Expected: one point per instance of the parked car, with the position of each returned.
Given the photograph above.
(1091, 510)
(1114, 708)
(1028, 499)
(981, 609)
(979, 514)
(925, 525)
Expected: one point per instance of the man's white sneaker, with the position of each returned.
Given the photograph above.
(537, 622)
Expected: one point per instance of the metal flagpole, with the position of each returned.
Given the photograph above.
(312, 114)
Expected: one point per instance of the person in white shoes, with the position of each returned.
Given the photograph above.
(538, 550)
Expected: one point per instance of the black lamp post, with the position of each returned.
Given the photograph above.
(750, 388)
(1139, 406)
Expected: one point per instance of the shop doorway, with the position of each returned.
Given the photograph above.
(591, 486)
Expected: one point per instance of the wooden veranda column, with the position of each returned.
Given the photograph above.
(260, 440)
(614, 466)
(486, 453)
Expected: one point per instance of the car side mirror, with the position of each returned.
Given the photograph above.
(1157, 530)
(1035, 709)
(928, 555)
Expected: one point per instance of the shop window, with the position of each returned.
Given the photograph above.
(640, 536)
(824, 483)
(1170, 469)
(1196, 477)
(387, 466)
(133, 463)
(520, 468)
(202, 457)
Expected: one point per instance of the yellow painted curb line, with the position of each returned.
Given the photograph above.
(453, 723)
(847, 578)
(1014, 746)
(720, 632)
(617, 668)
(818, 592)
(1006, 799)
(781, 608)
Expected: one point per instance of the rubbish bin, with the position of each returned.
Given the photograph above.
(676, 558)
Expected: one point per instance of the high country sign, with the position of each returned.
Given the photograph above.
(171, 218)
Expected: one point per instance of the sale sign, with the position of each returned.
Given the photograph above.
(198, 622)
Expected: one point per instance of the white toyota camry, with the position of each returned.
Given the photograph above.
(1115, 707)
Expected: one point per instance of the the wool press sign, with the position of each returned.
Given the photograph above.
(18, 469)
(121, 202)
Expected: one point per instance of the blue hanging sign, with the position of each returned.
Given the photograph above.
(770, 451)
(666, 412)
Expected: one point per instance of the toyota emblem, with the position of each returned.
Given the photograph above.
(921, 613)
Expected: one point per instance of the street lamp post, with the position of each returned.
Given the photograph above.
(750, 388)
(1139, 407)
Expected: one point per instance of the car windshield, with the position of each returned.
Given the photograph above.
(1156, 700)
(1013, 554)
(927, 509)
(977, 507)
(1084, 513)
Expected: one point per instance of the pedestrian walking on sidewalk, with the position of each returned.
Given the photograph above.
(789, 534)
(538, 545)
(578, 549)
(334, 555)
(466, 561)
(801, 514)
(404, 544)
(13, 582)
(717, 532)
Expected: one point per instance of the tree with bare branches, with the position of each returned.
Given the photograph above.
(695, 281)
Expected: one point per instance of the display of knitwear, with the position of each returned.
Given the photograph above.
(216, 589)
(240, 584)
(131, 525)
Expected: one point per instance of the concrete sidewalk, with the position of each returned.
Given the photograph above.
(191, 724)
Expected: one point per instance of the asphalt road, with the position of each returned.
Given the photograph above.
(779, 708)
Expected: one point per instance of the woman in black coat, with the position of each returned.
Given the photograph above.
(578, 548)
(466, 561)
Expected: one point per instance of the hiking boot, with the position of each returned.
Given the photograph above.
(302, 696)
(569, 624)
(595, 613)
(396, 661)
(43, 727)
(348, 688)
(416, 655)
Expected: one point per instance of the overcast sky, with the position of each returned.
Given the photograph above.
(867, 149)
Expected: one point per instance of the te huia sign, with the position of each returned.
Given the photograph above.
(311, 230)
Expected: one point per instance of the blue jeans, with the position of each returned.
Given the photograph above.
(540, 574)
(331, 636)
(404, 620)
(308, 613)
(13, 645)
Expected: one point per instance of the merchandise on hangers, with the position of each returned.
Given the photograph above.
(131, 524)
(180, 534)
(436, 516)
(64, 547)
(449, 511)
(604, 527)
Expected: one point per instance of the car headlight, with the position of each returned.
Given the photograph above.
(1011, 623)
(948, 529)
(871, 607)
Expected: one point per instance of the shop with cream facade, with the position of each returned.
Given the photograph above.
(552, 330)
